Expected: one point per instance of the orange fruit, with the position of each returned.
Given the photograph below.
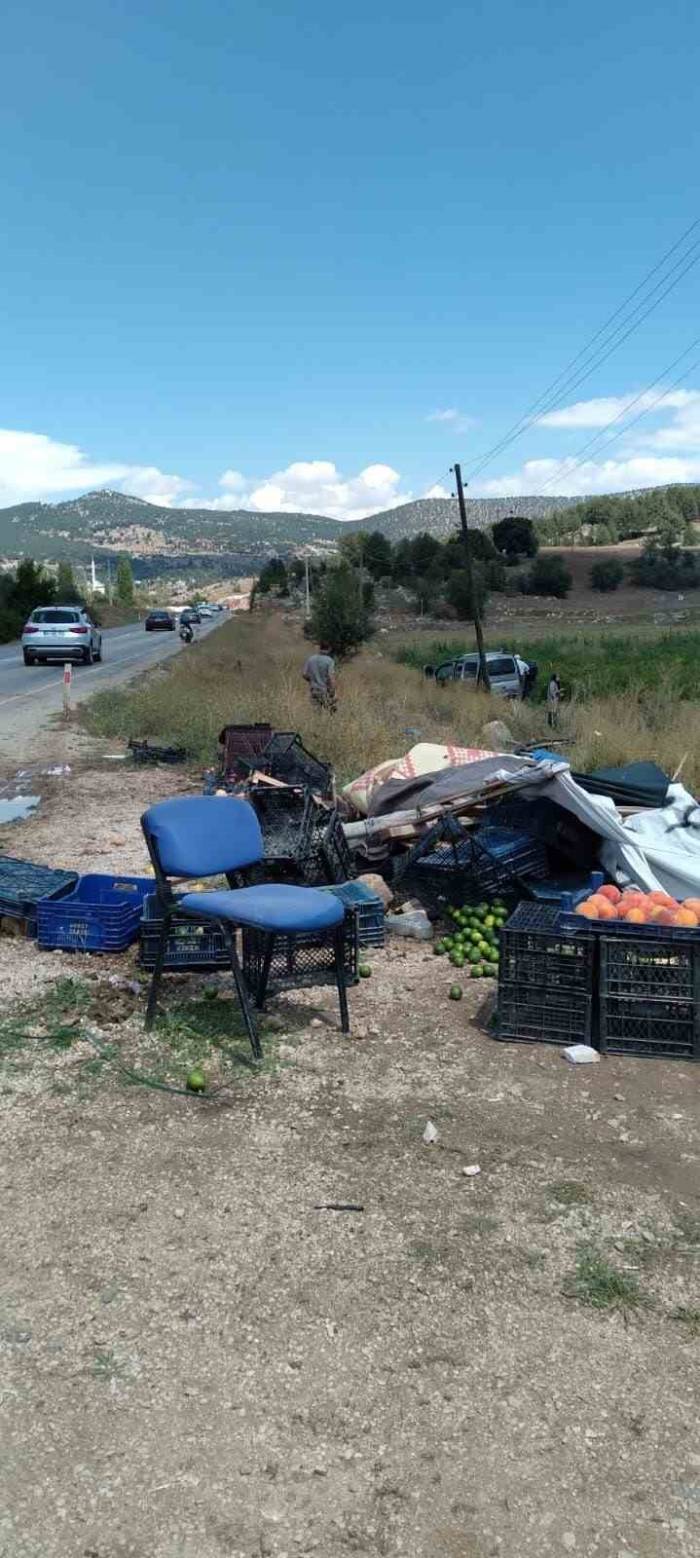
(694, 905)
(636, 916)
(685, 917)
(609, 891)
(589, 910)
(632, 900)
(662, 900)
(606, 911)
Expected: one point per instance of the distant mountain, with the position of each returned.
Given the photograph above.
(117, 522)
(440, 516)
(112, 522)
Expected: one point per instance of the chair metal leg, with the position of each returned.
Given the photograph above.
(241, 991)
(157, 972)
(261, 991)
(339, 945)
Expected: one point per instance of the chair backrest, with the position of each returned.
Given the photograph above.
(202, 835)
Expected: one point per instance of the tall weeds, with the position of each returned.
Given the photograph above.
(250, 669)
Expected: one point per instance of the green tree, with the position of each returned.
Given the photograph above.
(424, 551)
(402, 560)
(32, 587)
(459, 592)
(549, 576)
(376, 556)
(607, 575)
(515, 536)
(339, 615)
(273, 578)
(66, 588)
(125, 582)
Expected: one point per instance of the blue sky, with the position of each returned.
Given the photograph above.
(309, 256)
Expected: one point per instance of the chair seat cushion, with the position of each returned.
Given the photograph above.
(270, 907)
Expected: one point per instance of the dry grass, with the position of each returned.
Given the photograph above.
(251, 670)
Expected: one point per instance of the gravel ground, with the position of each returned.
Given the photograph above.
(198, 1361)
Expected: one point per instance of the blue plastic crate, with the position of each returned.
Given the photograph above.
(565, 891)
(367, 909)
(102, 915)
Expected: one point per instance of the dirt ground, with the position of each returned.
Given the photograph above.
(199, 1359)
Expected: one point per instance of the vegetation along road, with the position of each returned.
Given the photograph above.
(29, 696)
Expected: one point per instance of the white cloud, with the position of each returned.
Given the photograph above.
(453, 418)
(438, 491)
(597, 413)
(550, 477)
(32, 466)
(318, 487)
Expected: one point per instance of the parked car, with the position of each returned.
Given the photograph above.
(206, 611)
(61, 633)
(160, 621)
(509, 675)
(190, 614)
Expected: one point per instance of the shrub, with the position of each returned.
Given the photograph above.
(667, 568)
(548, 576)
(607, 575)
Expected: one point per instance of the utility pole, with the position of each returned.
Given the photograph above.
(483, 671)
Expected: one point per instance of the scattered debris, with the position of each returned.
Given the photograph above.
(431, 1134)
(581, 1054)
(471, 1170)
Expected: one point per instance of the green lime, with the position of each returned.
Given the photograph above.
(439, 949)
(478, 971)
(474, 956)
(489, 921)
(196, 1081)
(364, 971)
(455, 992)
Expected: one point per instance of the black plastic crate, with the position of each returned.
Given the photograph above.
(449, 866)
(545, 979)
(191, 943)
(299, 961)
(143, 752)
(286, 758)
(303, 838)
(281, 815)
(243, 748)
(23, 885)
(650, 994)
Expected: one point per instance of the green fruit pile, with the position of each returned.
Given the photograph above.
(473, 944)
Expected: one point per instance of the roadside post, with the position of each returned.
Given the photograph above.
(67, 684)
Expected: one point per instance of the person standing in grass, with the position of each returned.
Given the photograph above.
(319, 672)
(553, 700)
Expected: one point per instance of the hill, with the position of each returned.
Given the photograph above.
(113, 522)
(440, 516)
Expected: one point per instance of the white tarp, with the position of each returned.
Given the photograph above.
(657, 849)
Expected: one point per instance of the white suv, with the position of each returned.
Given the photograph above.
(61, 633)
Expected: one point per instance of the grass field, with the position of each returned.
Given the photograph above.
(626, 697)
(598, 664)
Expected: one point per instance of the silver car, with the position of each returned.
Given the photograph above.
(61, 633)
(508, 674)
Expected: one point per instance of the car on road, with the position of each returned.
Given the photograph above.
(160, 621)
(509, 674)
(207, 611)
(61, 633)
(190, 614)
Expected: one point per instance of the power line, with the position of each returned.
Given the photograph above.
(571, 376)
(573, 461)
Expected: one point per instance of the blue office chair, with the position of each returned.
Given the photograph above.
(210, 835)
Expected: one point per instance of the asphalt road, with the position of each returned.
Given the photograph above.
(30, 695)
